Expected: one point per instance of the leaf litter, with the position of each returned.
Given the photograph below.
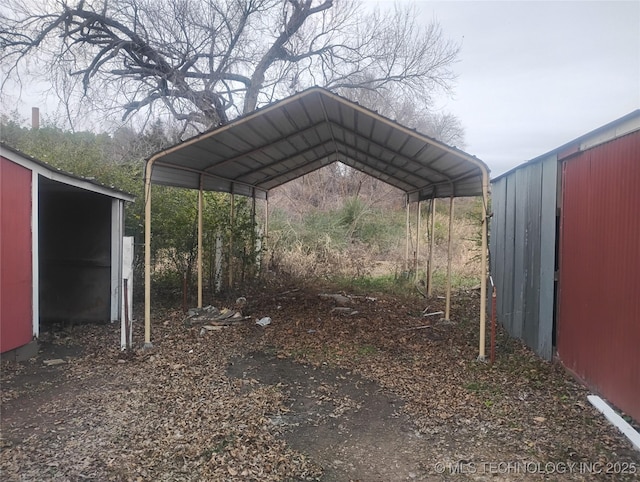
(176, 413)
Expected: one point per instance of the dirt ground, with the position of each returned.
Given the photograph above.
(372, 392)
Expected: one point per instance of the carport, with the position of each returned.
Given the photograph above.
(300, 134)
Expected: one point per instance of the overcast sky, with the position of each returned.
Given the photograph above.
(534, 75)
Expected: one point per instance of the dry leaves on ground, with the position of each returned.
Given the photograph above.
(173, 413)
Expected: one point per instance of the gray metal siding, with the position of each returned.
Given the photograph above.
(532, 253)
(547, 253)
(519, 265)
(523, 232)
(510, 240)
(497, 240)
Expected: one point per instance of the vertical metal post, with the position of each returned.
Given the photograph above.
(431, 246)
(147, 255)
(200, 209)
(492, 353)
(447, 309)
(406, 249)
(265, 246)
(417, 256)
(483, 265)
(232, 223)
(254, 228)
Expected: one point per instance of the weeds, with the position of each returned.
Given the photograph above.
(367, 350)
(361, 248)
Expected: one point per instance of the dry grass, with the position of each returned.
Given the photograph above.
(358, 260)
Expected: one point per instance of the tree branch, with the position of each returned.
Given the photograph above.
(204, 60)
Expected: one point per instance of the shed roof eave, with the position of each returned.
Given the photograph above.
(633, 118)
(59, 175)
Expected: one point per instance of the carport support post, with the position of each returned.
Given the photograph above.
(200, 208)
(232, 223)
(415, 264)
(431, 244)
(447, 309)
(254, 229)
(264, 258)
(406, 249)
(483, 265)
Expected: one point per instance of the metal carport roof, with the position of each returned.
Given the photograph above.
(307, 131)
(303, 133)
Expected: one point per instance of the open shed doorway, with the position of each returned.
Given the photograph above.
(74, 238)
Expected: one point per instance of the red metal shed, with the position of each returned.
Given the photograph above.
(599, 256)
(16, 277)
(60, 247)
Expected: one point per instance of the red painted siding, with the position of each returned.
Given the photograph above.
(599, 296)
(15, 256)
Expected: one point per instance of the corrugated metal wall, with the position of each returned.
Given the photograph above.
(599, 290)
(522, 244)
(16, 318)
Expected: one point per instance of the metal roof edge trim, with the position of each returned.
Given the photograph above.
(578, 140)
(94, 185)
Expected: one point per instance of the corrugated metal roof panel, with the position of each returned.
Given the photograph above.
(310, 130)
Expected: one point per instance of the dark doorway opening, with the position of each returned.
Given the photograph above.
(74, 236)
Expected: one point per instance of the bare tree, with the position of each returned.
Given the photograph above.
(204, 62)
(415, 111)
(442, 126)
